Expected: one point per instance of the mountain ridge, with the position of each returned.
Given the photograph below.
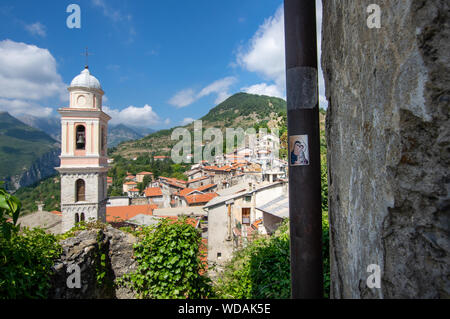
(239, 110)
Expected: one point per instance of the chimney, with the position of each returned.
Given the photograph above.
(40, 206)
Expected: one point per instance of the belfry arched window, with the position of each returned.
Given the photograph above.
(80, 190)
(77, 218)
(82, 217)
(80, 137)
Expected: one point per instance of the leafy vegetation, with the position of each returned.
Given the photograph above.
(169, 264)
(47, 191)
(261, 270)
(123, 166)
(26, 257)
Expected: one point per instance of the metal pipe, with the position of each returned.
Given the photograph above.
(304, 149)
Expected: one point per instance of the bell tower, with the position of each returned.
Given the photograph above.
(84, 165)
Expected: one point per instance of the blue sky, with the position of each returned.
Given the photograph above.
(160, 63)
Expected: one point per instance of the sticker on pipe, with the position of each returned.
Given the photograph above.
(298, 150)
(302, 88)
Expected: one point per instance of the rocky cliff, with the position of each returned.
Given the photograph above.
(388, 136)
(41, 168)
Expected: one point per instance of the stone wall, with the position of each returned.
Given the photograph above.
(84, 250)
(388, 147)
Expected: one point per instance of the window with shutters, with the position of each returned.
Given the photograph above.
(246, 216)
(80, 190)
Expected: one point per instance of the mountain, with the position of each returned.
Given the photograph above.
(50, 125)
(116, 133)
(143, 131)
(239, 110)
(26, 154)
(120, 133)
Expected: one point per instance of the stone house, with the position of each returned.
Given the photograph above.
(231, 216)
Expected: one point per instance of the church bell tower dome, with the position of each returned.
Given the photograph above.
(86, 80)
(85, 91)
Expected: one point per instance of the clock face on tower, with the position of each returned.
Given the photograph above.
(81, 100)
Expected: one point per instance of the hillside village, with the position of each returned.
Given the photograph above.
(239, 194)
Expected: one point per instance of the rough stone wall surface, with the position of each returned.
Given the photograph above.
(388, 136)
(84, 250)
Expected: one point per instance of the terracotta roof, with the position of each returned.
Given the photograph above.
(130, 183)
(204, 187)
(185, 191)
(145, 173)
(153, 191)
(160, 156)
(174, 182)
(199, 198)
(225, 168)
(56, 212)
(197, 179)
(133, 190)
(115, 213)
(131, 177)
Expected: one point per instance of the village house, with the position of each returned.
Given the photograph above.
(274, 212)
(130, 178)
(132, 193)
(140, 176)
(154, 196)
(128, 185)
(118, 201)
(196, 198)
(200, 181)
(233, 216)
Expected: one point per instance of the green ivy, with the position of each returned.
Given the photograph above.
(169, 264)
(26, 259)
(261, 270)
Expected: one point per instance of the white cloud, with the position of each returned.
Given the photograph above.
(28, 77)
(188, 96)
(265, 55)
(264, 89)
(187, 120)
(36, 29)
(134, 116)
(109, 12)
(167, 121)
(183, 98)
(28, 72)
(20, 107)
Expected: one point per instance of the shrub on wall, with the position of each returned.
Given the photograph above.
(169, 264)
(26, 259)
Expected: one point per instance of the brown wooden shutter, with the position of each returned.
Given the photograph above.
(80, 185)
